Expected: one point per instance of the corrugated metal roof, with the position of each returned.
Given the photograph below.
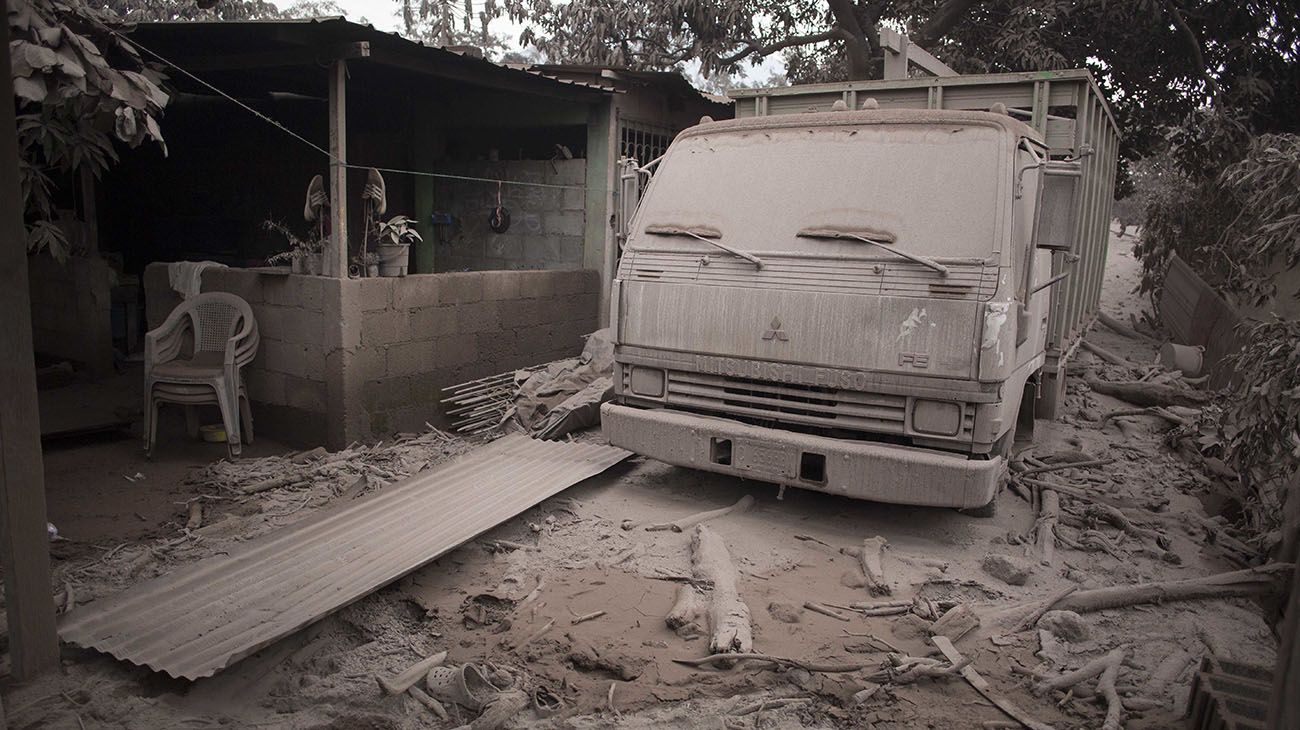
(197, 620)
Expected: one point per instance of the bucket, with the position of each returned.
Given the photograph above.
(392, 259)
(213, 433)
(1186, 358)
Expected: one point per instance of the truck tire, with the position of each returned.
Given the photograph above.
(1002, 448)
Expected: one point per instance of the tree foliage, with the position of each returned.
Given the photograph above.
(78, 87)
(135, 11)
(1158, 60)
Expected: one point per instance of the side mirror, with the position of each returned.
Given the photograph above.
(629, 197)
(1054, 224)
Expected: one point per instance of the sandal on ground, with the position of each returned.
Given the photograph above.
(465, 686)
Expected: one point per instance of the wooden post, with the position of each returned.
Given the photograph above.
(336, 251)
(33, 643)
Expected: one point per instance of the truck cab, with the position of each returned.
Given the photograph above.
(852, 301)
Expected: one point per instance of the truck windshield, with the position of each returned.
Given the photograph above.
(934, 188)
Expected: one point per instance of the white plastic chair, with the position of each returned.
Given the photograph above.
(224, 335)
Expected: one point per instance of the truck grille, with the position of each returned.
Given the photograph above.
(974, 282)
(802, 406)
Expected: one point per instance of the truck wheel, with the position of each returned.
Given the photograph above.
(988, 510)
(1002, 448)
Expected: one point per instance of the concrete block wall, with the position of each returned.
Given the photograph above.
(287, 381)
(547, 224)
(72, 314)
(348, 359)
(422, 333)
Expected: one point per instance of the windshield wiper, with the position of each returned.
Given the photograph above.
(702, 233)
(875, 238)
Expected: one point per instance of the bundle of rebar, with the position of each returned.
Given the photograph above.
(479, 406)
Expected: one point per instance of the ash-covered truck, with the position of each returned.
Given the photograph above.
(864, 288)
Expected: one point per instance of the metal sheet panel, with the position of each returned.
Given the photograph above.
(199, 619)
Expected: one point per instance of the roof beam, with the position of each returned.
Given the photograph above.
(498, 77)
(301, 56)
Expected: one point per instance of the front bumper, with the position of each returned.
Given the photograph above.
(880, 472)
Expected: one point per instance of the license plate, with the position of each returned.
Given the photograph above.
(771, 459)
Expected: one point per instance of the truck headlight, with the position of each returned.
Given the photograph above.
(941, 418)
(647, 381)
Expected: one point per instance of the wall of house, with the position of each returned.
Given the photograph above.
(547, 225)
(422, 333)
(72, 310)
(348, 359)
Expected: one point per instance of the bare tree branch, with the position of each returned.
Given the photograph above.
(1193, 45)
(945, 19)
(757, 49)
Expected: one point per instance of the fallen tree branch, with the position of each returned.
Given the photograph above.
(1148, 394)
(725, 659)
(1045, 527)
(729, 626)
(1107, 355)
(770, 704)
(1123, 329)
(1251, 581)
(1065, 465)
(981, 685)
(408, 677)
(1108, 667)
(871, 555)
(825, 610)
(1157, 411)
(681, 525)
(1112, 516)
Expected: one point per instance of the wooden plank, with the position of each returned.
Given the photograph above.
(29, 604)
(336, 250)
(982, 686)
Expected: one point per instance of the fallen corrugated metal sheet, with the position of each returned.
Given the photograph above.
(1197, 315)
(196, 620)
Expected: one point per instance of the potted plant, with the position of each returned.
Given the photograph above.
(368, 264)
(393, 240)
(304, 254)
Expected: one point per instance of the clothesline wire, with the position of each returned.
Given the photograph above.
(333, 160)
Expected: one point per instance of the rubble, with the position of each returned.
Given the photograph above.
(1007, 569)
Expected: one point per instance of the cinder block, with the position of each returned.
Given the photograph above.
(577, 281)
(304, 326)
(477, 317)
(571, 172)
(386, 327)
(537, 284)
(508, 246)
(425, 390)
(408, 358)
(498, 285)
(245, 284)
(460, 288)
(265, 386)
(432, 322)
(419, 290)
(369, 363)
(574, 199)
(270, 321)
(453, 351)
(385, 393)
(294, 290)
(304, 394)
(564, 222)
(376, 293)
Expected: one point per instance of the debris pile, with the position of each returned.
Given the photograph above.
(548, 400)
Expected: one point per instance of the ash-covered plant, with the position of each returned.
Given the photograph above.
(1261, 420)
(1236, 221)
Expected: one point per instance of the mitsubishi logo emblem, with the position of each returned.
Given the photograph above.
(775, 332)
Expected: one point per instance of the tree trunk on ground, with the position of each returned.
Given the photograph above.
(729, 627)
(1149, 394)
